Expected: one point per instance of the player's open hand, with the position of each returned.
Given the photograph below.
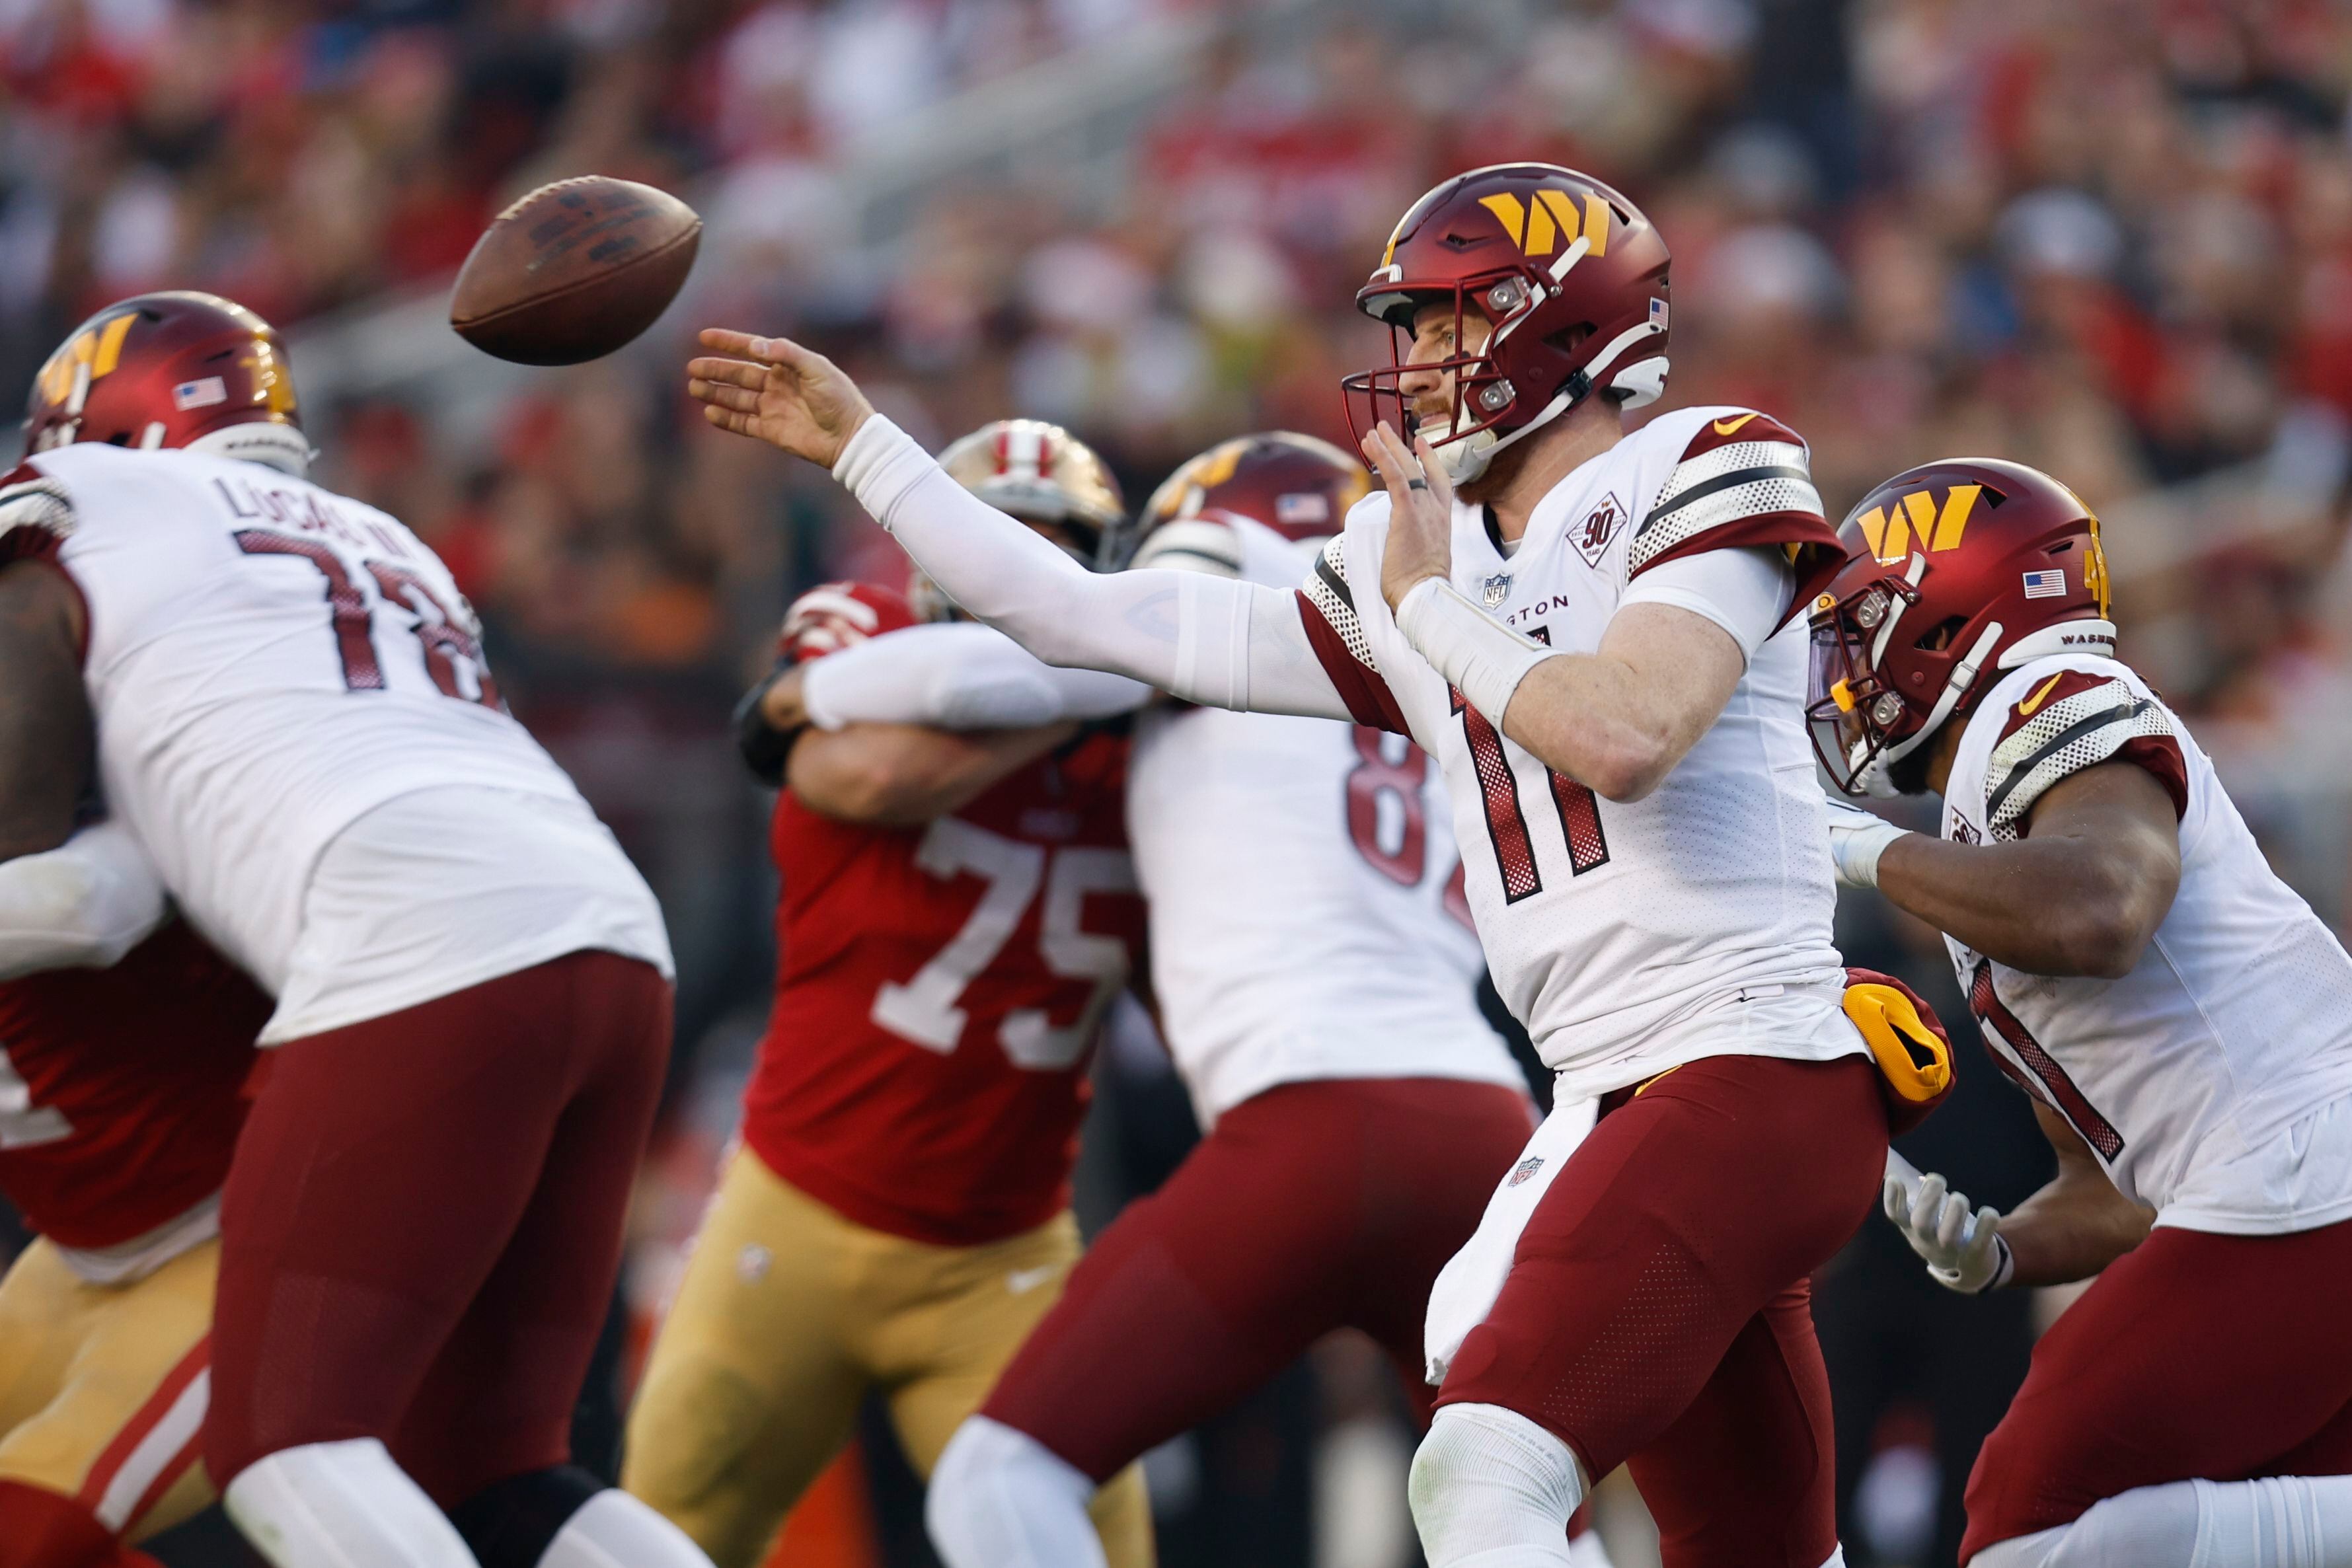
(1420, 512)
(772, 390)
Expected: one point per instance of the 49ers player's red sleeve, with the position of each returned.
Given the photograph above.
(120, 1090)
(1742, 481)
(1327, 606)
(2073, 720)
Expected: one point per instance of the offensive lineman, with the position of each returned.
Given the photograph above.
(955, 911)
(2182, 1020)
(1315, 976)
(1585, 642)
(290, 711)
(123, 1055)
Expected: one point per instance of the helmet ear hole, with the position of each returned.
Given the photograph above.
(1939, 636)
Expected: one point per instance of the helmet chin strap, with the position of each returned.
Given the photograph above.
(1467, 456)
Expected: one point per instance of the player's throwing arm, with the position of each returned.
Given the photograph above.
(1213, 641)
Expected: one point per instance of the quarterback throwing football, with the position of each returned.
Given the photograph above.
(1579, 624)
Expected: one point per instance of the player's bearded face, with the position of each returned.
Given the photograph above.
(1429, 394)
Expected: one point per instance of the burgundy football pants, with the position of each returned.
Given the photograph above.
(1658, 1309)
(2194, 1357)
(422, 1224)
(1311, 1206)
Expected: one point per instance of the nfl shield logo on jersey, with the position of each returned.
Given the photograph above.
(1591, 536)
(1497, 589)
(1524, 1169)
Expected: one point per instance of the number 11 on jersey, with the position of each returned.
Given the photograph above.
(1506, 824)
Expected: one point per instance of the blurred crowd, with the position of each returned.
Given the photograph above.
(2113, 238)
(2109, 238)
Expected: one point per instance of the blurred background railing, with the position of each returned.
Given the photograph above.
(2107, 238)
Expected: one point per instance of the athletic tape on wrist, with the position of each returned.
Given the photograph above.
(1484, 659)
(1863, 850)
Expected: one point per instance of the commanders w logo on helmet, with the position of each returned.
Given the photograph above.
(2006, 569)
(1550, 219)
(1889, 529)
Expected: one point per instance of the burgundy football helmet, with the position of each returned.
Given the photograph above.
(1569, 277)
(179, 369)
(1958, 568)
(1296, 485)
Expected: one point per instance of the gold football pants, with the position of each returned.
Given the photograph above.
(102, 1388)
(787, 1315)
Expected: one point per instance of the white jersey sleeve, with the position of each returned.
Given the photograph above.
(269, 662)
(1205, 639)
(2186, 1076)
(82, 905)
(958, 676)
(1745, 589)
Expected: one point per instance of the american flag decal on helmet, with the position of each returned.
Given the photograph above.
(202, 392)
(2045, 584)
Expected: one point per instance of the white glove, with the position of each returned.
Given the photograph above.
(1857, 839)
(1961, 1244)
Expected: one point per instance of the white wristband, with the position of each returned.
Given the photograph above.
(879, 464)
(1484, 659)
(1858, 838)
(2004, 1268)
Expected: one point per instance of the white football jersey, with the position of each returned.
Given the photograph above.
(1307, 918)
(1695, 922)
(2235, 1024)
(269, 662)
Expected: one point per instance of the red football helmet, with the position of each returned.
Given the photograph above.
(1958, 567)
(836, 615)
(180, 369)
(1296, 485)
(1569, 277)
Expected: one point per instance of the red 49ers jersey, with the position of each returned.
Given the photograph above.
(938, 991)
(120, 1089)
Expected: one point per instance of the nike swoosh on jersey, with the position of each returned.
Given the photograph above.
(2025, 710)
(1728, 426)
(1021, 1281)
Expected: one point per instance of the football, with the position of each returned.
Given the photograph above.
(574, 270)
